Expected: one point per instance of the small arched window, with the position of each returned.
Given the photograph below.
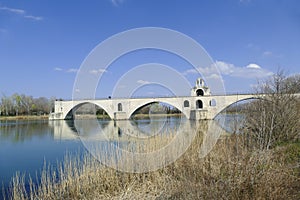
(199, 104)
(119, 107)
(186, 103)
(212, 102)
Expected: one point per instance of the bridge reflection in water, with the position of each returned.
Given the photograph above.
(127, 130)
(141, 145)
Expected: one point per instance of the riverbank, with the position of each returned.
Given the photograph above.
(229, 171)
(25, 117)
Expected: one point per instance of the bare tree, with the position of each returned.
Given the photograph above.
(17, 100)
(51, 104)
(27, 102)
(7, 105)
(275, 118)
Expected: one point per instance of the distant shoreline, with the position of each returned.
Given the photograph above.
(46, 117)
(25, 117)
(145, 116)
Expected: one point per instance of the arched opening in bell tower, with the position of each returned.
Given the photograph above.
(200, 92)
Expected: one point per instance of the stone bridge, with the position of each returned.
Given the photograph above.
(200, 105)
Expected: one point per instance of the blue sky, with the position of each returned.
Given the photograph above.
(43, 43)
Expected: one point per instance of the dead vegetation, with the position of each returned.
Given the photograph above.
(230, 171)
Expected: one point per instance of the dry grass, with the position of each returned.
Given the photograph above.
(230, 171)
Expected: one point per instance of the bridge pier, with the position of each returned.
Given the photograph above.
(199, 114)
(56, 116)
(120, 116)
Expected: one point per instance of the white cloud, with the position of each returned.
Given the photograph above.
(245, 1)
(35, 18)
(72, 70)
(58, 69)
(13, 10)
(143, 82)
(97, 71)
(213, 76)
(117, 2)
(267, 53)
(190, 71)
(203, 70)
(253, 47)
(21, 12)
(94, 71)
(251, 70)
(253, 66)
(225, 68)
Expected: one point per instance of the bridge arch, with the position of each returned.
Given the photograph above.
(224, 107)
(69, 113)
(178, 106)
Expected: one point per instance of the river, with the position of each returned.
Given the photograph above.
(25, 146)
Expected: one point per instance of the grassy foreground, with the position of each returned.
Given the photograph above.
(230, 171)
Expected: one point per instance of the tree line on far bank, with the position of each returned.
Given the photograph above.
(21, 104)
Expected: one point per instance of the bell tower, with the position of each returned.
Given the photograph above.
(200, 89)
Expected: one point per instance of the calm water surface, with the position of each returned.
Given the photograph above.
(26, 145)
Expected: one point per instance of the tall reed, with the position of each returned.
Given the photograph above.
(229, 171)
